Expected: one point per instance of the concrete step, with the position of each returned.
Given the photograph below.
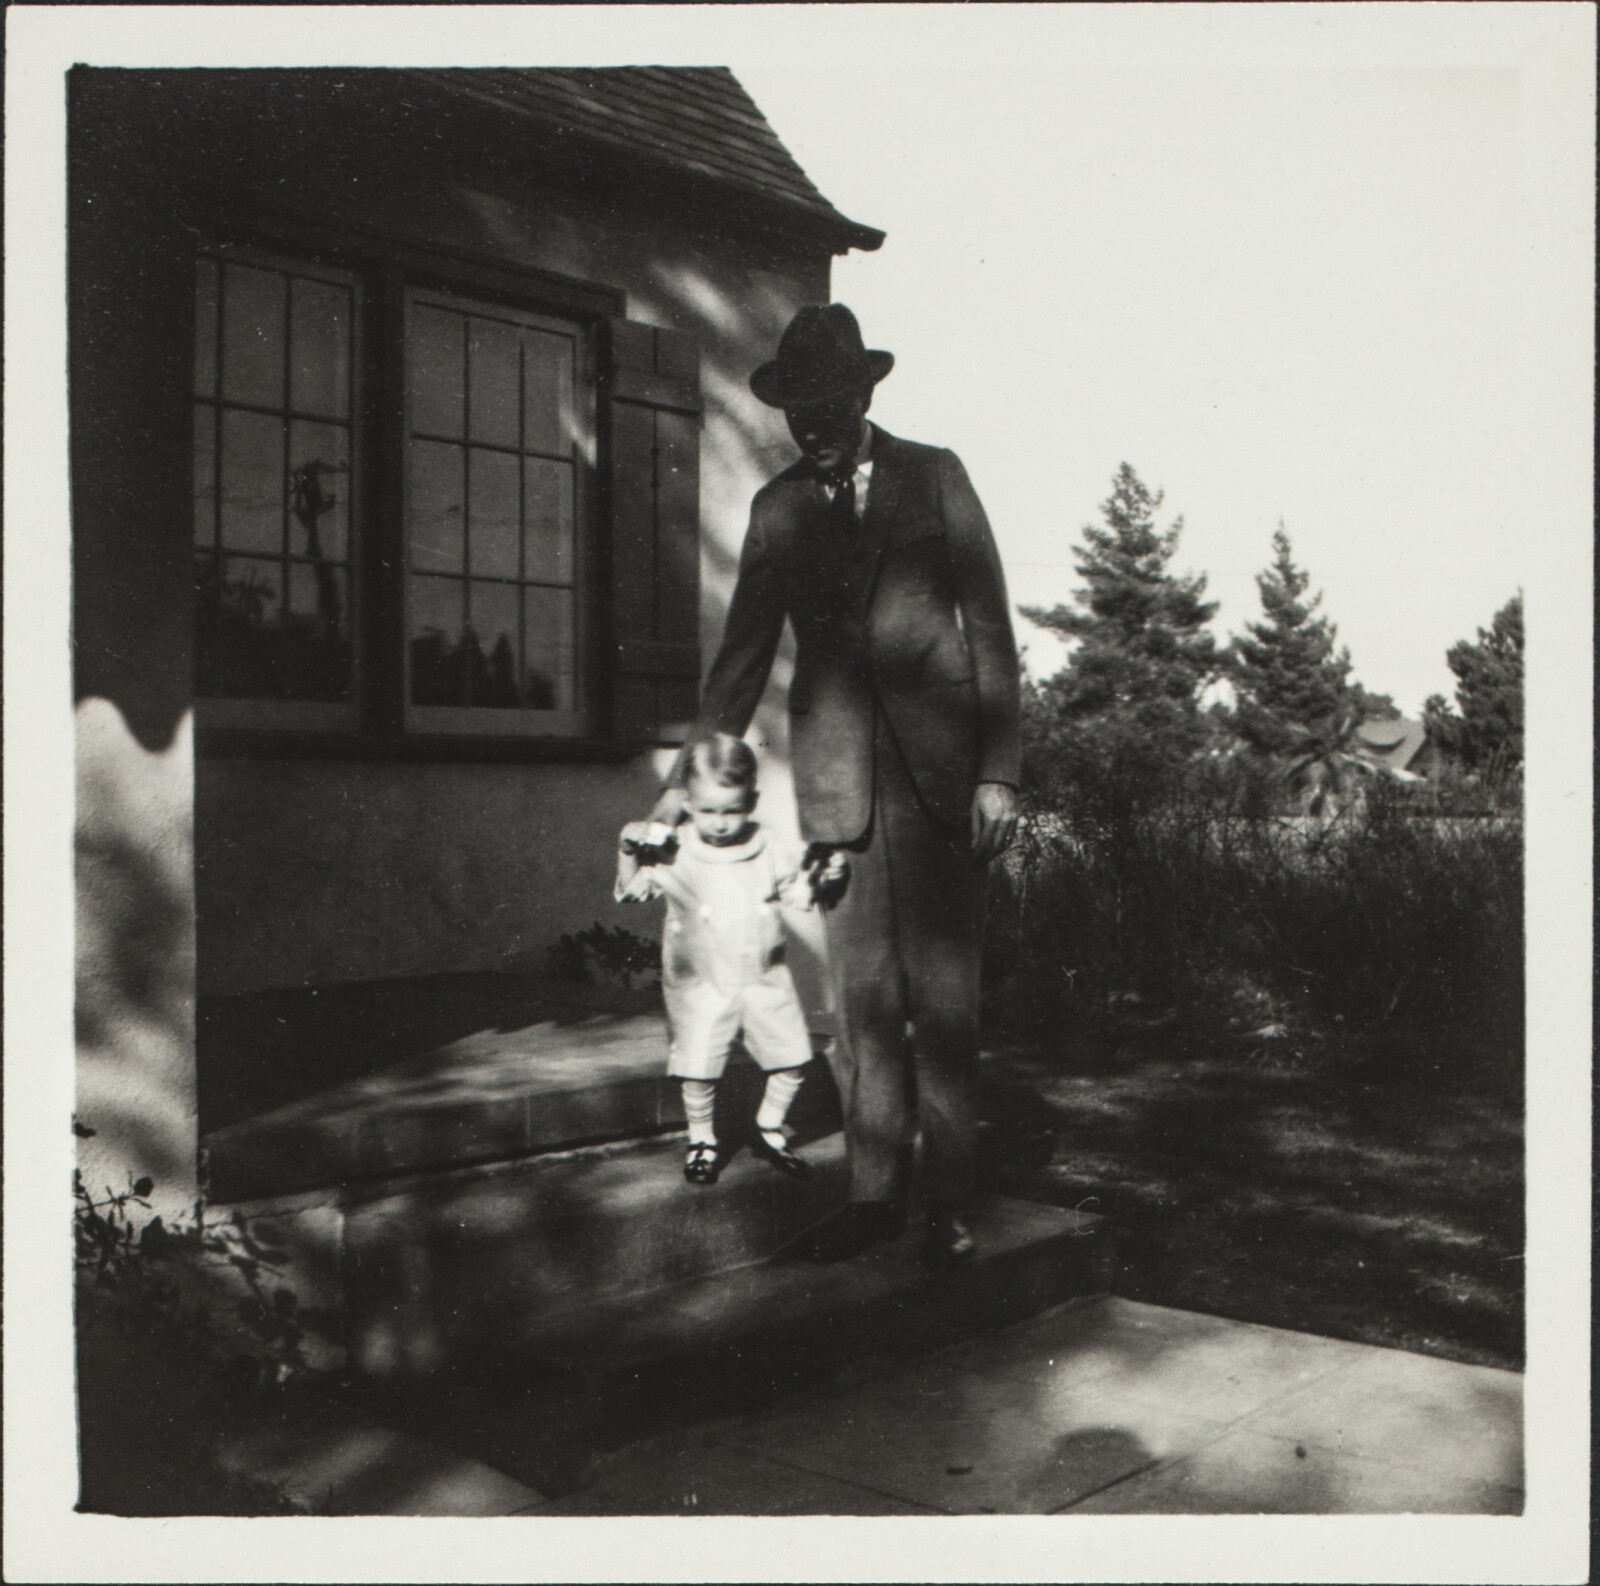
(1030, 1257)
(487, 1097)
(560, 1385)
(455, 1265)
(333, 1460)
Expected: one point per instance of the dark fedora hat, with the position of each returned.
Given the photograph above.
(819, 357)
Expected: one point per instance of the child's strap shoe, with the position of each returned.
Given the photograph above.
(780, 1157)
(703, 1164)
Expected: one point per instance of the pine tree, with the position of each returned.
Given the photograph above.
(1143, 654)
(1487, 733)
(1288, 677)
(1373, 707)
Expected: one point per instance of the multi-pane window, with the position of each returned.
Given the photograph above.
(274, 374)
(495, 435)
(397, 505)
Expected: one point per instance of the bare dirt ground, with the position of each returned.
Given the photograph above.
(1330, 1197)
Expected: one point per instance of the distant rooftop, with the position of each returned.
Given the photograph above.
(1391, 742)
(695, 120)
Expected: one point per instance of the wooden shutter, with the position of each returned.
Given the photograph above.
(653, 379)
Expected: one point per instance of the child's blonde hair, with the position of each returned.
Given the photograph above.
(724, 760)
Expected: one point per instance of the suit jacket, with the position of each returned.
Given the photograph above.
(904, 612)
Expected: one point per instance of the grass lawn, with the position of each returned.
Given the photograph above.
(1323, 1197)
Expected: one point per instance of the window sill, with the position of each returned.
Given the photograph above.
(238, 743)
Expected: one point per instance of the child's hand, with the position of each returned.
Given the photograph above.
(650, 840)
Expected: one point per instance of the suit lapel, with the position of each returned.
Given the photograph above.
(881, 503)
(817, 533)
(885, 489)
(819, 539)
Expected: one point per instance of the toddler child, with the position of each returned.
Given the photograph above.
(722, 962)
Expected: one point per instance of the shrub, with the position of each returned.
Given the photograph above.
(205, 1292)
(610, 952)
(175, 1324)
(1186, 907)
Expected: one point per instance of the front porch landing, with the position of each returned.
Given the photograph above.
(491, 1096)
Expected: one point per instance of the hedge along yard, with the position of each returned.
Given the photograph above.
(1263, 998)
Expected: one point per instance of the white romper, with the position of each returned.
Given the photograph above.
(722, 955)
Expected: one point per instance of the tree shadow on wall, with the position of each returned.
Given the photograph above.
(133, 939)
(133, 1007)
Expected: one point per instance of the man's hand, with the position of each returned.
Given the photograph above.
(994, 819)
(829, 873)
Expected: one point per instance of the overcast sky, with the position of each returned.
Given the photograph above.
(1279, 293)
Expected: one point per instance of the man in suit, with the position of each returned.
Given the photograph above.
(904, 739)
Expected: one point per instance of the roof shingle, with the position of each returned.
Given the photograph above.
(693, 119)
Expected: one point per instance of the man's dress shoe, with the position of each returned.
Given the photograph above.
(949, 1238)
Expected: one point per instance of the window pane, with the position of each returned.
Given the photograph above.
(495, 513)
(316, 595)
(319, 363)
(205, 327)
(495, 381)
(548, 419)
(548, 520)
(437, 371)
(492, 527)
(438, 517)
(438, 648)
(319, 490)
(252, 335)
(314, 645)
(205, 473)
(252, 482)
(547, 678)
(246, 636)
(494, 645)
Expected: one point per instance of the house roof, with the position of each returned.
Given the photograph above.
(1393, 742)
(697, 121)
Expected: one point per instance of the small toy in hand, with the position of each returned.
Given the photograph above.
(828, 871)
(650, 842)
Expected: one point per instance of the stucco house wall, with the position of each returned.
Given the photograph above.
(314, 872)
(206, 873)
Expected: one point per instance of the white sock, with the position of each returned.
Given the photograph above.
(699, 1103)
(781, 1090)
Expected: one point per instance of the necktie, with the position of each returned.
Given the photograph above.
(844, 505)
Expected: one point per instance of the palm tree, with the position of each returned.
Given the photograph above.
(1324, 769)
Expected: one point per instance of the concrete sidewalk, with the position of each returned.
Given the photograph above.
(1104, 1406)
